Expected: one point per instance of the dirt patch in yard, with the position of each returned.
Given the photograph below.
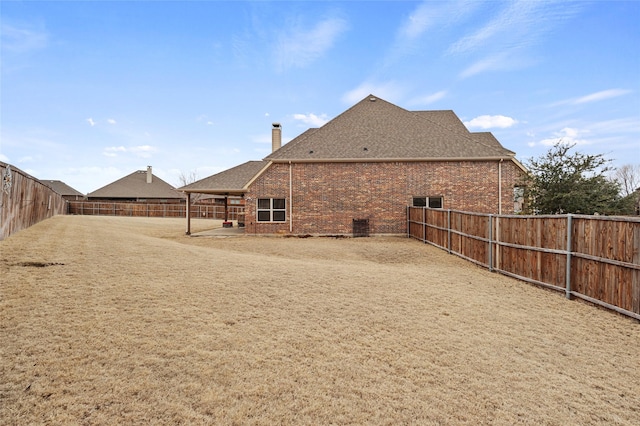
(107, 320)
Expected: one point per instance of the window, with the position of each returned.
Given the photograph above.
(435, 202)
(419, 201)
(271, 210)
(431, 202)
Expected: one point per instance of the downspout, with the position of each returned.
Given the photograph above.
(290, 199)
(497, 237)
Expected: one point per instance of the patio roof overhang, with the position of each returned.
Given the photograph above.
(215, 191)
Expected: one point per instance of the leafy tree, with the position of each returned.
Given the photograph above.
(561, 181)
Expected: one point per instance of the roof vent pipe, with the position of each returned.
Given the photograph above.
(276, 137)
(149, 175)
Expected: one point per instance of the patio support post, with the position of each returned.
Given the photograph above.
(188, 214)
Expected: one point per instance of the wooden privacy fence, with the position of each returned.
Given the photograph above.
(25, 201)
(109, 208)
(595, 258)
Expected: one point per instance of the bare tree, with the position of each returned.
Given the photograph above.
(186, 178)
(628, 177)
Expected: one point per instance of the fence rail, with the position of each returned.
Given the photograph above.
(594, 258)
(202, 211)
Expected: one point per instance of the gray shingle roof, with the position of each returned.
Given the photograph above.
(375, 129)
(232, 181)
(62, 188)
(135, 186)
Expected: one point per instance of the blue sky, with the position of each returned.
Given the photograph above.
(92, 91)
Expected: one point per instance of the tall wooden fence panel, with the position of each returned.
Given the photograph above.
(595, 258)
(110, 208)
(25, 201)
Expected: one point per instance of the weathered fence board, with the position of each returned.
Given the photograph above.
(592, 257)
(25, 201)
(103, 208)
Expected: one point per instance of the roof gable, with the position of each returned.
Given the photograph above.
(135, 186)
(233, 180)
(62, 188)
(375, 129)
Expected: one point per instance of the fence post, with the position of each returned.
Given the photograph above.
(424, 224)
(568, 270)
(449, 231)
(490, 243)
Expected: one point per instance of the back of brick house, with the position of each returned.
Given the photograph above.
(371, 162)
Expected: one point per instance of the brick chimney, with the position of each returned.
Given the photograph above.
(276, 137)
(149, 175)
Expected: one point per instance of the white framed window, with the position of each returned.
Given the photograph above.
(431, 202)
(271, 210)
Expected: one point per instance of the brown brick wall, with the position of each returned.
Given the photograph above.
(328, 196)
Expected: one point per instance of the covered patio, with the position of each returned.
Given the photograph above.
(233, 182)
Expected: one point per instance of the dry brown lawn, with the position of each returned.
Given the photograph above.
(109, 320)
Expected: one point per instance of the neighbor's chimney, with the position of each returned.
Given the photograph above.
(276, 137)
(149, 175)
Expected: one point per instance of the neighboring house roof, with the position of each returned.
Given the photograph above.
(375, 129)
(62, 188)
(135, 186)
(231, 181)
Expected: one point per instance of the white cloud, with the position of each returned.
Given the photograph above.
(203, 118)
(503, 40)
(497, 62)
(431, 14)
(90, 121)
(602, 95)
(520, 23)
(491, 121)
(26, 159)
(390, 91)
(20, 40)
(112, 151)
(618, 125)
(312, 119)
(593, 97)
(111, 121)
(568, 135)
(144, 151)
(419, 21)
(428, 99)
(4, 158)
(298, 47)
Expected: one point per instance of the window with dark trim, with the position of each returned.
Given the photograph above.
(271, 210)
(431, 202)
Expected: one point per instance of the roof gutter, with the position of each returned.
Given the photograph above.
(392, 160)
(234, 191)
